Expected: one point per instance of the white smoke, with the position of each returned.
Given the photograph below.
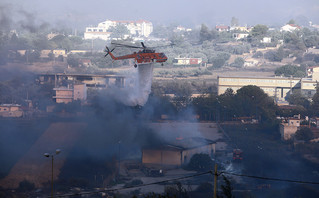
(138, 92)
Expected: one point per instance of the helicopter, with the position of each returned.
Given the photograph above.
(146, 55)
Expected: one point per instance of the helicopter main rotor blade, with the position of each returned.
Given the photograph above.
(124, 45)
(169, 45)
(143, 45)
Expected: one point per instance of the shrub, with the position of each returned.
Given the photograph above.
(25, 186)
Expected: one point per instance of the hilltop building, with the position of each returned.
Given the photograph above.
(240, 28)
(290, 28)
(187, 61)
(140, 28)
(238, 36)
(222, 28)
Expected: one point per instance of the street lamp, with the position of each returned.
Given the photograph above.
(119, 157)
(57, 151)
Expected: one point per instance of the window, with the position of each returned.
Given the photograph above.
(89, 30)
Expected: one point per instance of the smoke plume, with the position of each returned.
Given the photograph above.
(138, 92)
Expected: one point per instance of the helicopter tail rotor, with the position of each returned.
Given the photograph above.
(107, 50)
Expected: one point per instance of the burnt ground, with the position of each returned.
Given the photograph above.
(265, 155)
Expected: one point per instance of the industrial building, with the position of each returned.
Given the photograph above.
(277, 87)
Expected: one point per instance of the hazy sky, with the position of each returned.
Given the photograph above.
(78, 13)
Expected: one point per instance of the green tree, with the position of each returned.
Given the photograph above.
(253, 101)
(62, 42)
(291, 21)
(304, 133)
(218, 62)
(119, 31)
(296, 98)
(290, 70)
(259, 30)
(234, 22)
(276, 56)
(315, 103)
(73, 60)
(205, 106)
(239, 62)
(205, 34)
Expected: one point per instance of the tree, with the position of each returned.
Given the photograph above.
(32, 56)
(25, 186)
(239, 62)
(218, 62)
(227, 188)
(119, 31)
(259, 30)
(291, 21)
(290, 70)
(304, 133)
(205, 34)
(234, 22)
(315, 103)
(253, 101)
(311, 41)
(200, 162)
(205, 106)
(296, 98)
(275, 56)
(73, 60)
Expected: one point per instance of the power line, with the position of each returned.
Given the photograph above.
(269, 178)
(186, 177)
(137, 186)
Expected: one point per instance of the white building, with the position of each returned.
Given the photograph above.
(266, 40)
(140, 28)
(238, 36)
(289, 28)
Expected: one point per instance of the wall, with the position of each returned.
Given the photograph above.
(161, 157)
(287, 131)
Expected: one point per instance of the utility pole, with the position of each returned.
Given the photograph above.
(52, 176)
(215, 181)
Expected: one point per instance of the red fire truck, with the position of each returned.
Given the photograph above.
(237, 155)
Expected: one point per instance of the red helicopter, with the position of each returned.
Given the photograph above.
(146, 55)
